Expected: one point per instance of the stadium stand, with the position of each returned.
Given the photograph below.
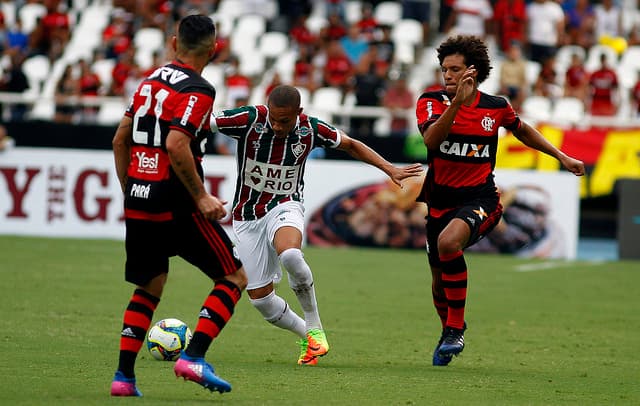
(258, 39)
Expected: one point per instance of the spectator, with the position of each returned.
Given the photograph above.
(334, 30)
(369, 87)
(304, 71)
(354, 44)
(509, 20)
(132, 81)
(399, 99)
(608, 20)
(576, 79)
(17, 40)
(89, 87)
(52, 33)
(223, 49)
(117, 36)
(15, 81)
(121, 71)
(368, 24)
(581, 24)
(513, 77)
(154, 13)
(545, 29)
(338, 70)
(603, 85)
(335, 7)
(547, 82)
(67, 89)
(303, 37)
(385, 47)
(470, 17)
(238, 85)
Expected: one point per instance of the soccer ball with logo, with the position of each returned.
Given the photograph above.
(167, 338)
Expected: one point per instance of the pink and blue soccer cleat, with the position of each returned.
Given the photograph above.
(123, 386)
(200, 372)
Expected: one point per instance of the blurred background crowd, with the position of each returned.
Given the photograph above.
(363, 63)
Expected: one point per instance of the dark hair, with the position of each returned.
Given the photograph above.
(472, 48)
(284, 96)
(196, 33)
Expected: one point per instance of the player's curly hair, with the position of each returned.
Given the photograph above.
(473, 49)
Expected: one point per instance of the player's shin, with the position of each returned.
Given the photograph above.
(277, 311)
(301, 281)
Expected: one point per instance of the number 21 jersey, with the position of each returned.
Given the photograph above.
(173, 97)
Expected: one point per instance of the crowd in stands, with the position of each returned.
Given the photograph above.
(540, 48)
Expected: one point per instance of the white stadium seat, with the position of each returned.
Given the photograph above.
(536, 108)
(568, 110)
(387, 12)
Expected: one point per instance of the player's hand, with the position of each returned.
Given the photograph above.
(466, 85)
(573, 165)
(212, 207)
(398, 174)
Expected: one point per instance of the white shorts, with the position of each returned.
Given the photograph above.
(255, 242)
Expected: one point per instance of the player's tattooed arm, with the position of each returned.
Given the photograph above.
(183, 163)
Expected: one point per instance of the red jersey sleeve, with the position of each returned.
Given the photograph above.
(191, 113)
(429, 107)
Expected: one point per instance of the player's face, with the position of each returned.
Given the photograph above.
(453, 67)
(283, 119)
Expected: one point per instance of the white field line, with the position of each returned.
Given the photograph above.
(541, 266)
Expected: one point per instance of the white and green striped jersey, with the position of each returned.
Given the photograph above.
(270, 169)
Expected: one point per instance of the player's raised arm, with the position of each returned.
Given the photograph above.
(362, 152)
(531, 137)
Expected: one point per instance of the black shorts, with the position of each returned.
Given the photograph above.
(201, 242)
(482, 215)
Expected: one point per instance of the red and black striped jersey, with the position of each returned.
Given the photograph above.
(461, 168)
(270, 169)
(173, 97)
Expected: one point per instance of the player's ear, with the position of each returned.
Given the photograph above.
(174, 43)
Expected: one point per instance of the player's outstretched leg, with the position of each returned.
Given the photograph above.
(123, 386)
(199, 371)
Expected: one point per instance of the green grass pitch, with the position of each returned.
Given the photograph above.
(540, 332)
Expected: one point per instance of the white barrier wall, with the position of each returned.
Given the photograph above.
(75, 193)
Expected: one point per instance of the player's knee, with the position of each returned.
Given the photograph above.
(448, 245)
(299, 272)
(239, 278)
(272, 307)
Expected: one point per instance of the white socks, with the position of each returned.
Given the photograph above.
(301, 281)
(276, 311)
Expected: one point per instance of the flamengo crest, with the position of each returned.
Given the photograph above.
(487, 123)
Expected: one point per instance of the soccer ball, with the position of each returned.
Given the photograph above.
(167, 338)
